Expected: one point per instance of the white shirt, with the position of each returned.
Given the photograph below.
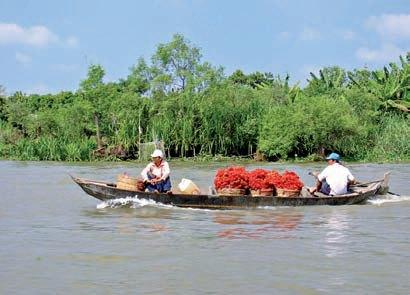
(162, 171)
(337, 176)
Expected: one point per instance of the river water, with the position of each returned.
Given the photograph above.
(55, 239)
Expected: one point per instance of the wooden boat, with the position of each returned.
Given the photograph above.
(358, 194)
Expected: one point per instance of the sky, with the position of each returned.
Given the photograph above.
(46, 46)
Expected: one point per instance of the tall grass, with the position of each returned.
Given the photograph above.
(221, 121)
(49, 149)
(393, 140)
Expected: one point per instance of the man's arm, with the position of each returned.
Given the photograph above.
(144, 173)
(166, 171)
(350, 178)
(319, 178)
(316, 188)
(318, 184)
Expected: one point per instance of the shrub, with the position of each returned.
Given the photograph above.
(309, 125)
(392, 141)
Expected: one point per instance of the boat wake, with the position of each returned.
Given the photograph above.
(131, 202)
(135, 202)
(267, 207)
(389, 199)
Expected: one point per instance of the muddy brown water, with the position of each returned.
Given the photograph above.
(55, 239)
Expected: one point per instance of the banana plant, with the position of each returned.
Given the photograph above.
(329, 81)
(391, 84)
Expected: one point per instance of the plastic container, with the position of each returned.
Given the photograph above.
(187, 186)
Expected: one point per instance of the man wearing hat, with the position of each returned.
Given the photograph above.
(335, 178)
(156, 174)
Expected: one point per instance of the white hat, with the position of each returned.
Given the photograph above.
(157, 153)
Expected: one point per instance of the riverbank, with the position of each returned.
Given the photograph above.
(206, 160)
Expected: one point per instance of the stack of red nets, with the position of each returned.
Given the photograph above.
(259, 179)
(289, 181)
(232, 177)
(274, 179)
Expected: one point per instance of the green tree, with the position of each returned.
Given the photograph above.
(177, 66)
(253, 80)
(3, 116)
(138, 81)
(18, 112)
(238, 77)
(176, 62)
(92, 89)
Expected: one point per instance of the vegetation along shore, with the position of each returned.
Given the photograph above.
(196, 110)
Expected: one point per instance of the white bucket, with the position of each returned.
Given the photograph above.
(187, 186)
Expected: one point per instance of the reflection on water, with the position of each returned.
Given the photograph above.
(100, 259)
(240, 224)
(337, 226)
(256, 225)
(124, 223)
(123, 219)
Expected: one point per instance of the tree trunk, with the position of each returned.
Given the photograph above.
(97, 128)
(321, 151)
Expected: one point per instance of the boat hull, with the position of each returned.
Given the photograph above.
(106, 191)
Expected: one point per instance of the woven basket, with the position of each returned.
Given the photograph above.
(281, 192)
(130, 183)
(262, 193)
(124, 178)
(231, 192)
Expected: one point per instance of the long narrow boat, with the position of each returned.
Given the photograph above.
(358, 194)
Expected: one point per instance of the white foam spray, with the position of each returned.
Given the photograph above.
(389, 199)
(131, 202)
(267, 207)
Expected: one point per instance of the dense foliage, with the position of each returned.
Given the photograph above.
(196, 110)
